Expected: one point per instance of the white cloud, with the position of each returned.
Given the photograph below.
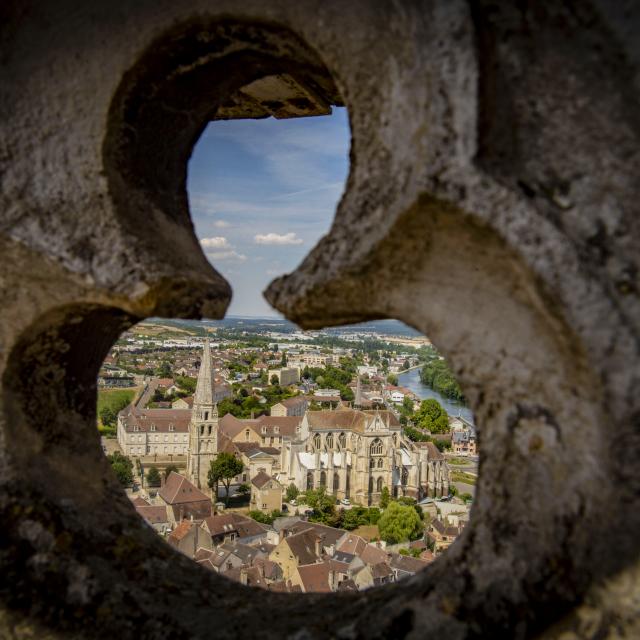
(226, 255)
(217, 242)
(277, 238)
(221, 224)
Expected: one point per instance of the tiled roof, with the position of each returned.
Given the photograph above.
(260, 479)
(180, 532)
(349, 419)
(315, 577)
(408, 564)
(178, 490)
(328, 535)
(152, 514)
(161, 419)
(303, 546)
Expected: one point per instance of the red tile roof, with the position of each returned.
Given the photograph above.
(178, 490)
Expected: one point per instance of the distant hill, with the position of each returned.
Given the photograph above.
(257, 324)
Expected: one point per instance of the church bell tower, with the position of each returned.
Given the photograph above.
(203, 429)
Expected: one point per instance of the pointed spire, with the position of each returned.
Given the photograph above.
(358, 399)
(204, 386)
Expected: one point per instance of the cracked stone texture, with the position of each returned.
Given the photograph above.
(492, 204)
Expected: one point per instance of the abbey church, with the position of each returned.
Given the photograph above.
(354, 454)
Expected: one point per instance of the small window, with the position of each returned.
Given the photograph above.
(153, 427)
(171, 428)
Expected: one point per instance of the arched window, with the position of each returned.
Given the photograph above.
(372, 463)
(380, 463)
(317, 441)
(201, 429)
(336, 482)
(209, 429)
(342, 441)
(395, 439)
(405, 475)
(323, 478)
(379, 484)
(329, 441)
(309, 481)
(247, 434)
(376, 447)
(206, 415)
(370, 485)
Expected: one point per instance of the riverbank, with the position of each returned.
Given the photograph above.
(411, 380)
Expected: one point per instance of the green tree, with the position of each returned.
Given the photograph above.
(122, 467)
(275, 380)
(384, 498)
(186, 383)
(283, 360)
(323, 505)
(153, 477)
(406, 365)
(164, 370)
(169, 469)
(108, 416)
(244, 489)
(392, 378)
(223, 469)
(399, 523)
(432, 417)
(292, 492)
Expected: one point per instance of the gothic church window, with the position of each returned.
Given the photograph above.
(317, 441)
(342, 440)
(309, 481)
(330, 441)
(336, 482)
(379, 484)
(376, 447)
(380, 463)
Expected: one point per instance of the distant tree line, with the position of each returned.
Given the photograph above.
(437, 375)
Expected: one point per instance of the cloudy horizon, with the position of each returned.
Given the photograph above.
(262, 193)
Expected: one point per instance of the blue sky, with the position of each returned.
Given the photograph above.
(261, 194)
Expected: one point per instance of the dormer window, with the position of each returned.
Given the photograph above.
(264, 429)
(136, 428)
(276, 429)
(171, 428)
(153, 427)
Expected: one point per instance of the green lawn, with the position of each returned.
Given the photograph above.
(115, 399)
(461, 476)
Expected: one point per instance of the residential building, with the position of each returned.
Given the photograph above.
(295, 406)
(183, 499)
(266, 493)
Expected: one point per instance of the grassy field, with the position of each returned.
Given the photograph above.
(116, 399)
(368, 532)
(461, 476)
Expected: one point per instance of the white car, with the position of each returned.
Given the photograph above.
(345, 501)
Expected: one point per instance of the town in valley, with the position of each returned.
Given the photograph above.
(319, 461)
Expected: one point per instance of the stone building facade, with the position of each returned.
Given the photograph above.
(356, 454)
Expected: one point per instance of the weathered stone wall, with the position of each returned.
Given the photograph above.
(492, 203)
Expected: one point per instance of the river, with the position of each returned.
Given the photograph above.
(411, 380)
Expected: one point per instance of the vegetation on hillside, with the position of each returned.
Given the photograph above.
(437, 375)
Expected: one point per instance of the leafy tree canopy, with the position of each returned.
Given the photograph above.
(122, 467)
(400, 523)
(153, 477)
(223, 469)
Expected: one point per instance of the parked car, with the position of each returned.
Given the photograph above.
(345, 501)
